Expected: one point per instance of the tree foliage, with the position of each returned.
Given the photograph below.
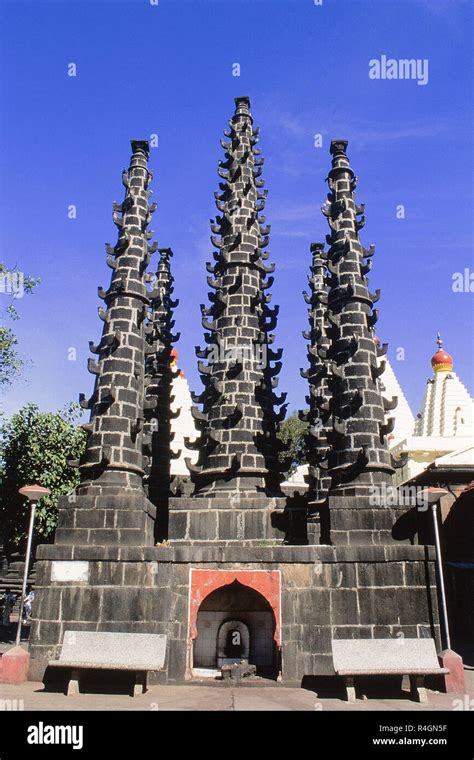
(292, 432)
(13, 285)
(10, 363)
(34, 448)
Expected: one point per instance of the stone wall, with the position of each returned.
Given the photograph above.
(326, 592)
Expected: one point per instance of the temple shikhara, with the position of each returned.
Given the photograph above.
(183, 529)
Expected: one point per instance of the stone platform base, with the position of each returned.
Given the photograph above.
(239, 521)
(353, 521)
(115, 516)
(308, 595)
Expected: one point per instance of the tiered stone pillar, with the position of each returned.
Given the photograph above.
(318, 414)
(158, 384)
(239, 444)
(238, 464)
(359, 461)
(110, 505)
(318, 399)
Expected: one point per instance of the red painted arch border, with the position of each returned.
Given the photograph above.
(266, 582)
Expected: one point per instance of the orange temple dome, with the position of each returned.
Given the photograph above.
(441, 361)
(174, 361)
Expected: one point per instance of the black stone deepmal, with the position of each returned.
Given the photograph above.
(114, 445)
(358, 459)
(110, 505)
(318, 414)
(159, 375)
(359, 451)
(239, 447)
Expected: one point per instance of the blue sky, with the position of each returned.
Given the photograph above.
(167, 69)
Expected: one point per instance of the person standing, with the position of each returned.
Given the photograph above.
(8, 602)
(27, 604)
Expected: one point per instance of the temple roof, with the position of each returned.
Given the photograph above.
(447, 408)
(456, 467)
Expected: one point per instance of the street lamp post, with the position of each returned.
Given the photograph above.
(433, 495)
(33, 494)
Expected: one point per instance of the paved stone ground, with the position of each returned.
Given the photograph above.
(218, 697)
(215, 696)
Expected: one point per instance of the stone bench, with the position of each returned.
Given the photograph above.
(100, 650)
(415, 658)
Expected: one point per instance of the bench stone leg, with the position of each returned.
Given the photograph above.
(417, 689)
(73, 683)
(350, 690)
(139, 686)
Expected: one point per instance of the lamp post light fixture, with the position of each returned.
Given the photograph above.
(33, 494)
(433, 496)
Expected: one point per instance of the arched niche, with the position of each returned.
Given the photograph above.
(239, 608)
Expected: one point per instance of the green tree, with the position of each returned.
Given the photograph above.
(292, 432)
(13, 286)
(34, 448)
